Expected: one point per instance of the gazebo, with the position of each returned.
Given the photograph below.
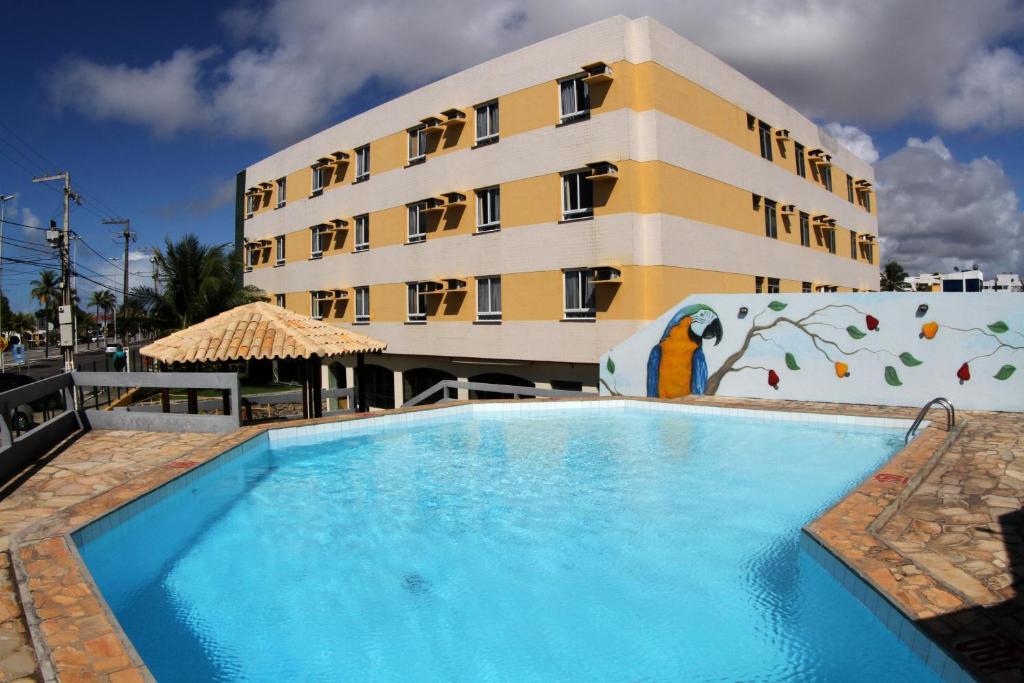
(263, 331)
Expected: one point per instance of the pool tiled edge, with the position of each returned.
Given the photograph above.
(77, 638)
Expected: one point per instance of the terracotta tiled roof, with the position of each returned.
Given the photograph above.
(258, 330)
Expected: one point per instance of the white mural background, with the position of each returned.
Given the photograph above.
(879, 348)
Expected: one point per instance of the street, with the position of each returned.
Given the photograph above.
(38, 366)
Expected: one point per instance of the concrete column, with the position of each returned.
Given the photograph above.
(462, 394)
(399, 389)
(328, 382)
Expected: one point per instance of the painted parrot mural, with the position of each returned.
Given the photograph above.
(676, 366)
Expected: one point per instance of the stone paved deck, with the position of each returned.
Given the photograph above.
(940, 535)
(77, 471)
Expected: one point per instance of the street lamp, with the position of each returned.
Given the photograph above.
(3, 207)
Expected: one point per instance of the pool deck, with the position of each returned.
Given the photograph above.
(939, 530)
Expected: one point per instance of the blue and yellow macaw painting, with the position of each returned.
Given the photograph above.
(676, 366)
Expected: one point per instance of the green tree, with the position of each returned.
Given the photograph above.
(46, 290)
(102, 299)
(196, 281)
(893, 278)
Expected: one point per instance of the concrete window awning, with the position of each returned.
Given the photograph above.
(259, 331)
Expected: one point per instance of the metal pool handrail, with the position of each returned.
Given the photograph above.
(946, 405)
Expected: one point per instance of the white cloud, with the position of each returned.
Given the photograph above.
(937, 213)
(855, 140)
(29, 218)
(988, 93)
(298, 60)
(166, 95)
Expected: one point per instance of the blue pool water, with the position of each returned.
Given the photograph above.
(598, 545)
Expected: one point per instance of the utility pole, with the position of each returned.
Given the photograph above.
(64, 242)
(3, 207)
(128, 236)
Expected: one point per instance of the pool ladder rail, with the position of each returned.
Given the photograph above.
(946, 405)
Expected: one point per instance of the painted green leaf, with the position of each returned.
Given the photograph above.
(1005, 372)
(791, 362)
(610, 365)
(908, 359)
(776, 306)
(999, 327)
(854, 332)
(891, 378)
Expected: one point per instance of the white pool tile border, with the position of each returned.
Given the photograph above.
(887, 613)
(307, 434)
(101, 526)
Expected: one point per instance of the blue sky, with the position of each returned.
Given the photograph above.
(154, 107)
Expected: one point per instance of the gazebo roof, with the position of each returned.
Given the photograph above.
(258, 331)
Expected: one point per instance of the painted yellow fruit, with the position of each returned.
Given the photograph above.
(928, 330)
(842, 369)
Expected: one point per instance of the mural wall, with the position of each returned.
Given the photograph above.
(879, 348)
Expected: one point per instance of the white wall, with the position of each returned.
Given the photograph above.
(894, 365)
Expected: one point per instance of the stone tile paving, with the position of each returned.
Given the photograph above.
(969, 492)
(92, 464)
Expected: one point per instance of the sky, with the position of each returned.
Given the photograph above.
(153, 107)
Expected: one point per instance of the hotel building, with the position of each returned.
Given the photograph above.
(511, 222)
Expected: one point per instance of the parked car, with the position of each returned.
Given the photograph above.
(114, 347)
(23, 417)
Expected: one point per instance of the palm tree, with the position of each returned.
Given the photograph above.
(196, 281)
(46, 290)
(893, 278)
(102, 299)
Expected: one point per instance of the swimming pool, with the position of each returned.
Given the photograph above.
(581, 541)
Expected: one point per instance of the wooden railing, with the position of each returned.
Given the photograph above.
(512, 390)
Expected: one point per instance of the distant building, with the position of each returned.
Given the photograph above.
(964, 281)
(1004, 282)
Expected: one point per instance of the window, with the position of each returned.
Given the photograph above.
(417, 144)
(362, 304)
(758, 284)
(849, 188)
(826, 176)
(252, 202)
(279, 300)
(575, 98)
(362, 232)
(869, 252)
(417, 311)
(801, 166)
(773, 285)
(417, 222)
(487, 122)
(830, 240)
(771, 220)
(764, 132)
(488, 209)
(577, 195)
(579, 294)
(253, 256)
(488, 298)
(853, 245)
(317, 305)
(316, 240)
(805, 288)
(867, 200)
(279, 250)
(282, 191)
(362, 163)
(805, 230)
(319, 176)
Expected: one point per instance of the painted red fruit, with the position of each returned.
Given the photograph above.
(773, 379)
(872, 322)
(964, 373)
